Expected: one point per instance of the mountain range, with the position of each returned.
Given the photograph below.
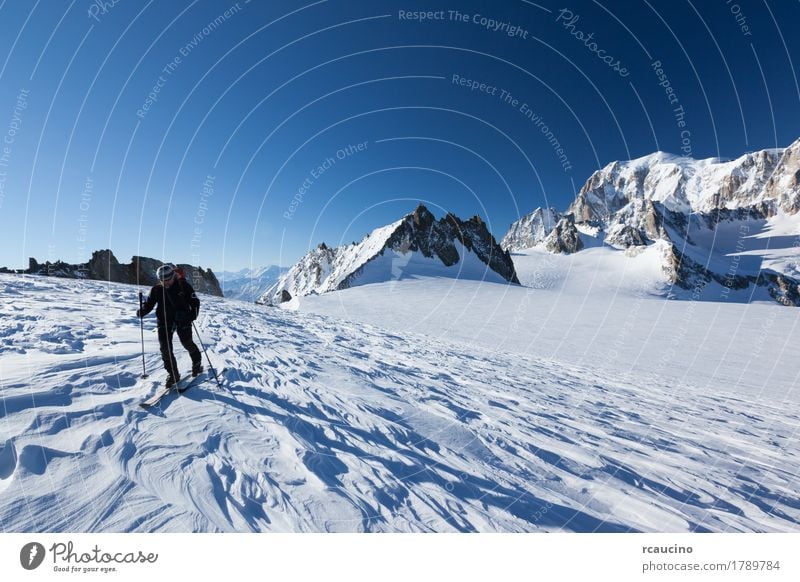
(249, 284)
(733, 226)
(732, 223)
(728, 225)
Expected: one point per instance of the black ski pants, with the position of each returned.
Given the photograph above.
(165, 341)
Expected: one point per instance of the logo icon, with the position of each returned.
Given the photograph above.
(32, 555)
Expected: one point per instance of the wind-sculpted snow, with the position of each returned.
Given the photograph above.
(327, 425)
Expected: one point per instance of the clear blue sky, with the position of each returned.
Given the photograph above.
(226, 134)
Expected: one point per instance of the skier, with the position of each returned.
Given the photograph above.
(177, 306)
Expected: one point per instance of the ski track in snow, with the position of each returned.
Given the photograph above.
(327, 425)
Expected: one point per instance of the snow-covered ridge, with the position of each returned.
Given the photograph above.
(687, 185)
(416, 244)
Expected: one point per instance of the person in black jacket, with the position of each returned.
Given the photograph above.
(177, 306)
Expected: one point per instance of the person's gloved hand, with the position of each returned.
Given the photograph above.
(138, 313)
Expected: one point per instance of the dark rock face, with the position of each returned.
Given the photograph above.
(104, 266)
(784, 182)
(783, 289)
(687, 274)
(628, 237)
(759, 211)
(654, 221)
(564, 238)
(596, 200)
(420, 231)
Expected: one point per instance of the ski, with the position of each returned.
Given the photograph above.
(156, 398)
(201, 377)
(182, 386)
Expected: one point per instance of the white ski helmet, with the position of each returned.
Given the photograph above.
(165, 272)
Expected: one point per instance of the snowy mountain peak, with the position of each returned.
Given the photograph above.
(531, 229)
(416, 245)
(687, 185)
(657, 157)
(714, 219)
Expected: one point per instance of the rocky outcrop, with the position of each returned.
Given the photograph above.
(564, 238)
(627, 236)
(687, 274)
(783, 289)
(104, 266)
(758, 211)
(638, 223)
(784, 183)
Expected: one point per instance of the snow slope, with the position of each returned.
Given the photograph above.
(602, 309)
(333, 425)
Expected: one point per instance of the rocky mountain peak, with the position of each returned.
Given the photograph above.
(422, 217)
(388, 252)
(564, 238)
(530, 230)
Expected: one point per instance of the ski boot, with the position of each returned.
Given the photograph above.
(197, 369)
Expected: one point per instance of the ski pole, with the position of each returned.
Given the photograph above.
(141, 328)
(219, 385)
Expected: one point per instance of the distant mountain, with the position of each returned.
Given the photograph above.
(531, 230)
(416, 245)
(104, 266)
(734, 223)
(249, 284)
